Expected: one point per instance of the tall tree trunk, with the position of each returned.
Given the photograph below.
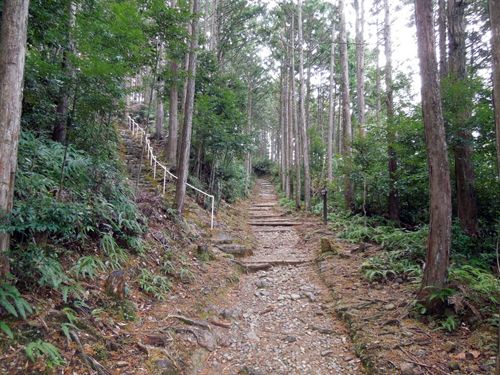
(296, 134)
(180, 191)
(184, 90)
(464, 166)
(391, 134)
(346, 110)
(160, 113)
(283, 156)
(213, 27)
(173, 118)
(439, 242)
(62, 111)
(377, 76)
(303, 127)
(302, 96)
(331, 108)
(360, 63)
(443, 61)
(12, 58)
(495, 46)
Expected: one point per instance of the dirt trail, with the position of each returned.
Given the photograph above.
(283, 324)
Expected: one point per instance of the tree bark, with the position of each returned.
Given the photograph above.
(180, 191)
(495, 46)
(293, 106)
(160, 112)
(391, 134)
(346, 111)
(439, 242)
(62, 111)
(360, 64)
(331, 108)
(173, 119)
(12, 59)
(443, 61)
(302, 98)
(464, 166)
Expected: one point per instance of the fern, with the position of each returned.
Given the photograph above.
(88, 266)
(20, 306)
(4, 327)
(40, 348)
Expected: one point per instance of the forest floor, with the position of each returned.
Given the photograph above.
(255, 295)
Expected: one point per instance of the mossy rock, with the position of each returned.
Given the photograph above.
(328, 245)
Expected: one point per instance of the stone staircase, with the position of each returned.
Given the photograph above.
(277, 239)
(131, 149)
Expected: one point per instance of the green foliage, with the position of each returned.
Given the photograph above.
(44, 350)
(263, 167)
(11, 300)
(88, 265)
(72, 319)
(37, 265)
(449, 324)
(156, 285)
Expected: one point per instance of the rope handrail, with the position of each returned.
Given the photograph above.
(135, 128)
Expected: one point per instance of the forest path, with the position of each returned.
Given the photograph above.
(284, 326)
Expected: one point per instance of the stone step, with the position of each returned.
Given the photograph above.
(273, 223)
(276, 262)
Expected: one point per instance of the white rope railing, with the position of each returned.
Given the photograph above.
(135, 128)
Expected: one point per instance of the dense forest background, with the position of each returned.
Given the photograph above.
(288, 90)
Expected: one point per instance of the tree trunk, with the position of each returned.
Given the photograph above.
(180, 191)
(62, 111)
(495, 46)
(439, 242)
(331, 108)
(464, 166)
(443, 62)
(391, 134)
(12, 58)
(302, 96)
(377, 76)
(160, 113)
(173, 119)
(346, 111)
(296, 134)
(360, 63)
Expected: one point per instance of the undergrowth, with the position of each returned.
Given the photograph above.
(472, 290)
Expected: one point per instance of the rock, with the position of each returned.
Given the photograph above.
(222, 239)
(421, 353)
(295, 297)
(121, 364)
(263, 284)
(389, 307)
(348, 358)
(485, 368)
(407, 369)
(326, 353)
(344, 256)
(252, 336)
(453, 365)
(163, 364)
(35, 324)
(249, 371)
(398, 280)
(449, 347)
(290, 339)
(234, 249)
(311, 297)
(328, 245)
(326, 331)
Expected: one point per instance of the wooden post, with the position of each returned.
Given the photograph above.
(115, 285)
(324, 193)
